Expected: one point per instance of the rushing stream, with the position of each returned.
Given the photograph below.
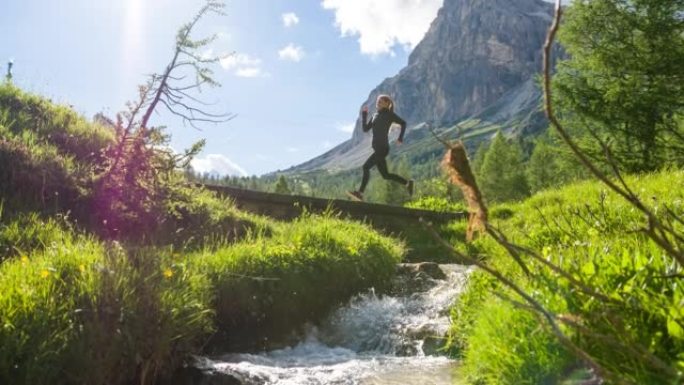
(373, 340)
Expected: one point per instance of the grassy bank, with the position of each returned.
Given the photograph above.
(77, 310)
(307, 267)
(594, 235)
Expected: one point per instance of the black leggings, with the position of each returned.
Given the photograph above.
(377, 158)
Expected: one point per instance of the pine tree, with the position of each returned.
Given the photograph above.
(281, 186)
(623, 80)
(543, 169)
(502, 175)
(478, 159)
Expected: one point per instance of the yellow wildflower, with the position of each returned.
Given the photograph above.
(44, 274)
(168, 273)
(24, 259)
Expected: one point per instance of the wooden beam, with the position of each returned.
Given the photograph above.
(290, 206)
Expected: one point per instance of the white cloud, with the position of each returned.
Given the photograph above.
(290, 19)
(292, 149)
(326, 144)
(291, 52)
(249, 72)
(346, 127)
(243, 65)
(238, 60)
(217, 164)
(382, 24)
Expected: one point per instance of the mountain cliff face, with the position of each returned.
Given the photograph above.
(476, 62)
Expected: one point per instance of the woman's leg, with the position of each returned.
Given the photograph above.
(382, 167)
(370, 162)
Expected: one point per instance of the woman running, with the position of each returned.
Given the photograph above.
(380, 123)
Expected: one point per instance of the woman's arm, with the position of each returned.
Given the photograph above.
(364, 117)
(396, 119)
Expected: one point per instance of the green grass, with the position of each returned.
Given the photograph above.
(304, 269)
(438, 204)
(55, 158)
(592, 233)
(48, 152)
(79, 311)
(38, 302)
(51, 123)
(76, 310)
(28, 233)
(487, 129)
(468, 124)
(524, 354)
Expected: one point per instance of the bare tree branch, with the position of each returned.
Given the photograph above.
(160, 83)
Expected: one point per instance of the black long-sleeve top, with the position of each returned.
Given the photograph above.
(380, 123)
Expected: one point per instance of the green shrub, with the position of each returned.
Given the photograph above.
(501, 211)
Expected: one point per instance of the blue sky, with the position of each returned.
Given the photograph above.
(300, 71)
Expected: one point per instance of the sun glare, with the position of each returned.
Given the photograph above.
(133, 34)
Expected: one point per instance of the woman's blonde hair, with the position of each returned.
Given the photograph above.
(389, 101)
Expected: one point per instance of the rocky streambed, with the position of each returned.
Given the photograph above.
(372, 340)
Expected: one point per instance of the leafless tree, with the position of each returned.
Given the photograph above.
(139, 162)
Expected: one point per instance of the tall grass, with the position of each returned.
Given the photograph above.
(26, 233)
(53, 162)
(78, 311)
(525, 354)
(51, 123)
(39, 299)
(595, 236)
(276, 283)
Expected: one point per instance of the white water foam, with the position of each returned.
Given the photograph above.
(374, 340)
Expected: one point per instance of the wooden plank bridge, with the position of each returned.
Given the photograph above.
(282, 206)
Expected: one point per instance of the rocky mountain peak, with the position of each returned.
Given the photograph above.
(475, 55)
(474, 51)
